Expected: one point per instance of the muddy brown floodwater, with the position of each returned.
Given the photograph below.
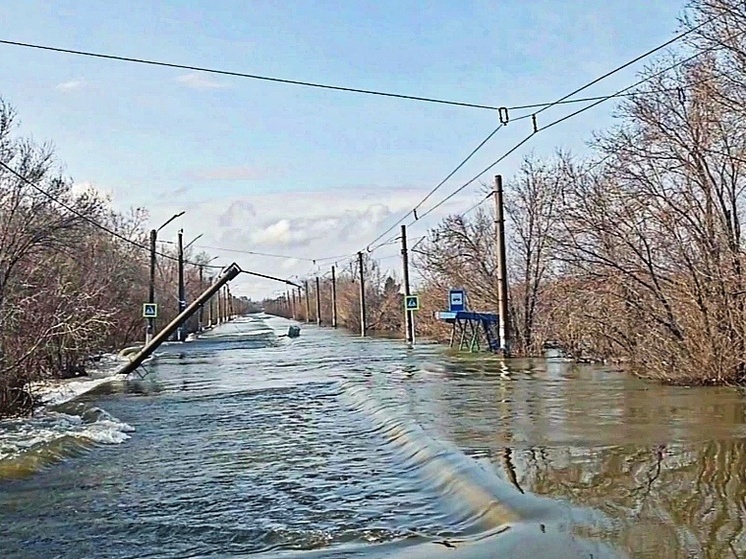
(246, 444)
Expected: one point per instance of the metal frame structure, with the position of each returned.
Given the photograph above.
(471, 329)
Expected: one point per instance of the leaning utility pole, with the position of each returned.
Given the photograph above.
(409, 330)
(230, 273)
(182, 296)
(318, 302)
(502, 276)
(150, 330)
(334, 298)
(308, 303)
(363, 327)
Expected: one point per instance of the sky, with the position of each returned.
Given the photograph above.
(308, 173)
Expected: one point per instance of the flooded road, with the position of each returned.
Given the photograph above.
(246, 444)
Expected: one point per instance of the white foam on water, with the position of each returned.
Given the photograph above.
(46, 427)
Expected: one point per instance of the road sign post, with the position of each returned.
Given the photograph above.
(150, 310)
(412, 302)
(457, 300)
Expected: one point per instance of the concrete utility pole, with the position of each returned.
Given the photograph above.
(210, 315)
(363, 318)
(300, 299)
(408, 323)
(308, 303)
(182, 296)
(334, 298)
(502, 276)
(150, 328)
(227, 304)
(231, 272)
(201, 323)
(318, 302)
(292, 302)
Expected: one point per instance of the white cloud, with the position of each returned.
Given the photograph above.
(84, 187)
(302, 226)
(70, 85)
(196, 80)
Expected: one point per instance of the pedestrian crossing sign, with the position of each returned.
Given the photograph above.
(412, 302)
(150, 310)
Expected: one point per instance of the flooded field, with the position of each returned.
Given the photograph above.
(246, 444)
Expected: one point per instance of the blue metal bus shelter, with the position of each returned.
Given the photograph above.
(471, 329)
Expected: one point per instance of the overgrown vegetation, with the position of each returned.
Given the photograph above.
(68, 289)
(635, 254)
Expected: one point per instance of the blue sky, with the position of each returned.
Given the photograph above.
(310, 173)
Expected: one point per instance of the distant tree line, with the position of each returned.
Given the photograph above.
(69, 290)
(382, 298)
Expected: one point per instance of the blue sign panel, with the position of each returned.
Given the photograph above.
(457, 300)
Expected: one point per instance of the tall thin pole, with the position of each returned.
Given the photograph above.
(209, 307)
(334, 298)
(300, 299)
(182, 297)
(201, 323)
(502, 276)
(150, 329)
(363, 318)
(318, 302)
(218, 313)
(405, 265)
(229, 302)
(308, 303)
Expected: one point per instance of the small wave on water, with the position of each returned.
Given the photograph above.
(495, 518)
(28, 445)
(62, 428)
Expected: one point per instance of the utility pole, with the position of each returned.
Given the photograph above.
(209, 307)
(363, 318)
(134, 362)
(182, 296)
(201, 322)
(334, 298)
(300, 299)
(409, 330)
(308, 303)
(318, 302)
(150, 330)
(229, 302)
(502, 276)
(218, 315)
(292, 302)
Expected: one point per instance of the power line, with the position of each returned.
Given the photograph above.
(544, 107)
(630, 63)
(236, 74)
(440, 184)
(250, 252)
(579, 111)
(92, 221)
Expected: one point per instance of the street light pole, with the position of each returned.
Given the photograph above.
(201, 324)
(182, 296)
(150, 328)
